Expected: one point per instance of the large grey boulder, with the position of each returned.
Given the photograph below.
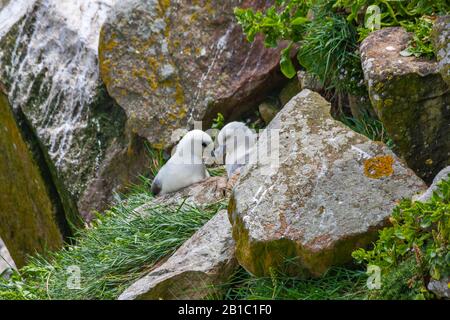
(411, 98)
(195, 270)
(49, 65)
(168, 64)
(332, 190)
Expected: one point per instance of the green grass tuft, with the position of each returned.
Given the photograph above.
(336, 284)
(119, 248)
(370, 127)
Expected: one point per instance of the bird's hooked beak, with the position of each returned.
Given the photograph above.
(219, 154)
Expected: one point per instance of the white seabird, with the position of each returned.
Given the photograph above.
(186, 166)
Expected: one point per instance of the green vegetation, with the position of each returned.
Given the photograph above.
(327, 33)
(120, 247)
(336, 284)
(218, 122)
(369, 127)
(418, 243)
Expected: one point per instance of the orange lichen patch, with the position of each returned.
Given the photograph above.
(379, 167)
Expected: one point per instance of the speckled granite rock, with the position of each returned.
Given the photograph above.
(410, 98)
(333, 190)
(169, 63)
(205, 260)
(441, 43)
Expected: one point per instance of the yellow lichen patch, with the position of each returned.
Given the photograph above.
(164, 4)
(157, 146)
(379, 167)
(388, 103)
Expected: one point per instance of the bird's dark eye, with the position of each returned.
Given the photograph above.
(204, 144)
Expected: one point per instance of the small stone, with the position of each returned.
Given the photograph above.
(289, 91)
(268, 110)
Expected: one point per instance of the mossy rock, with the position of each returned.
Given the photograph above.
(410, 98)
(28, 217)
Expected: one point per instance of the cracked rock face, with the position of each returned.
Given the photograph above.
(332, 191)
(170, 63)
(205, 260)
(411, 98)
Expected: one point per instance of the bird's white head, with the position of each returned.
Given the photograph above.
(234, 136)
(195, 146)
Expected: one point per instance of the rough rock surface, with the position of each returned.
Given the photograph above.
(441, 43)
(168, 64)
(268, 110)
(410, 98)
(289, 91)
(29, 218)
(205, 260)
(49, 64)
(6, 261)
(442, 175)
(331, 192)
(440, 288)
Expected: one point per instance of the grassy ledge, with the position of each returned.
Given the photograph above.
(118, 249)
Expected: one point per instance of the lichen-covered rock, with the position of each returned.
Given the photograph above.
(195, 270)
(441, 44)
(331, 192)
(49, 63)
(30, 220)
(309, 81)
(410, 98)
(169, 63)
(206, 192)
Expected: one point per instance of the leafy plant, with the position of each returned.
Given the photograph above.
(421, 44)
(326, 33)
(329, 51)
(327, 45)
(286, 20)
(218, 122)
(414, 15)
(419, 231)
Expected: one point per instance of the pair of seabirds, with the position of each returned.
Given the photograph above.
(187, 164)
